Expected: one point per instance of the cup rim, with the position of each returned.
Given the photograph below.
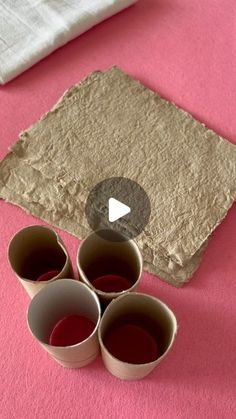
(159, 358)
(104, 293)
(44, 290)
(31, 281)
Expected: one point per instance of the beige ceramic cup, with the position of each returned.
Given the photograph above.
(56, 301)
(35, 250)
(158, 318)
(98, 256)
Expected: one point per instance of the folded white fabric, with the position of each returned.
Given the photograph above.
(32, 29)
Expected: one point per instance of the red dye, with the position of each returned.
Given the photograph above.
(111, 283)
(131, 343)
(70, 330)
(47, 275)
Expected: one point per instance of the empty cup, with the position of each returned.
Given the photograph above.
(66, 301)
(38, 256)
(111, 267)
(135, 333)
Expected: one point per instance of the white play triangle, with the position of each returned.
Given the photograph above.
(116, 210)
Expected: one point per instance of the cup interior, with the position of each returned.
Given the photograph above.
(98, 257)
(143, 311)
(34, 251)
(58, 300)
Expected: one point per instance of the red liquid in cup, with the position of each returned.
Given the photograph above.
(131, 343)
(47, 276)
(71, 330)
(111, 283)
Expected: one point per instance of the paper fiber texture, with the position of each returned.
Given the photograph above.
(110, 125)
(74, 217)
(30, 31)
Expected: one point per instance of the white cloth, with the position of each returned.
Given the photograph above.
(32, 29)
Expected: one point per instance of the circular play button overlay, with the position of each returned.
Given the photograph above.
(118, 204)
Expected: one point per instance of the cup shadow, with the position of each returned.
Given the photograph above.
(204, 349)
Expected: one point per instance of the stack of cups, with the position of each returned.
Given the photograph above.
(135, 331)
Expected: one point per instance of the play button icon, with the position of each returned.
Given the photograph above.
(116, 210)
(118, 204)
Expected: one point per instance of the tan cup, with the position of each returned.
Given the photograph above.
(158, 317)
(98, 256)
(32, 251)
(57, 300)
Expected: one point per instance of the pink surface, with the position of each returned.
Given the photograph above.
(186, 50)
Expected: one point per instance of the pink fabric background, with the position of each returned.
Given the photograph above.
(186, 50)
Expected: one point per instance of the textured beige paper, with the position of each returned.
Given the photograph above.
(110, 125)
(40, 188)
